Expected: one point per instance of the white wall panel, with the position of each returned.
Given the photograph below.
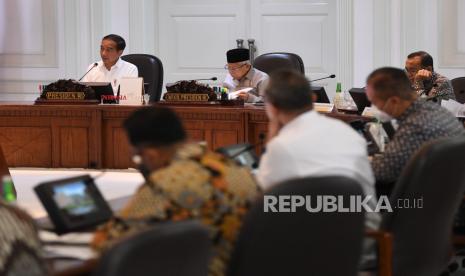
(460, 26)
(22, 25)
(307, 28)
(194, 37)
(192, 52)
(29, 33)
(451, 43)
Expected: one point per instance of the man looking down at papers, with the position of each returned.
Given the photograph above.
(111, 68)
(249, 82)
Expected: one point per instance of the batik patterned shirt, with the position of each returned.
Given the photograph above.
(198, 184)
(420, 123)
(20, 248)
(438, 88)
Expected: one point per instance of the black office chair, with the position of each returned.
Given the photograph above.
(301, 243)
(272, 61)
(151, 69)
(422, 236)
(171, 248)
(459, 89)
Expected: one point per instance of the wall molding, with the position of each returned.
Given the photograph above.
(450, 55)
(345, 25)
(48, 58)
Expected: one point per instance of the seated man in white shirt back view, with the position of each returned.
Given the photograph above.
(304, 143)
(111, 68)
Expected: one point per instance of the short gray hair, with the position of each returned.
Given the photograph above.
(289, 90)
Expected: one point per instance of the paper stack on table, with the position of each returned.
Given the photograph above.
(456, 108)
(235, 94)
(73, 245)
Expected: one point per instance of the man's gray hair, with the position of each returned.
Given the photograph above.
(289, 90)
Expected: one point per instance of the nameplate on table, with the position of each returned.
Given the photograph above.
(186, 97)
(65, 95)
(323, 107)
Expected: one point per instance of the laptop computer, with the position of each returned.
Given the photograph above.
(320, 92)
(102, 89)
(360, 98)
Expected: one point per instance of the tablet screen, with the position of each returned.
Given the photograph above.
(74, 199)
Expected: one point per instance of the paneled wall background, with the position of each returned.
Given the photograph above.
(44, 40)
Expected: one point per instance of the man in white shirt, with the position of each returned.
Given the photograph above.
(304, 143)
(111, 68)
(242, 75)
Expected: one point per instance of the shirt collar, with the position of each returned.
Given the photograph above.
(118, 64)
(304, 116)
(248, 76)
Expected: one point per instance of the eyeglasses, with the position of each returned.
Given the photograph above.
(411, 71)
(227, 67)
(137, 159)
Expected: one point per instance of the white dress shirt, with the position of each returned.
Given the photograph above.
(254, 78)
(316, 145)
(120, 69)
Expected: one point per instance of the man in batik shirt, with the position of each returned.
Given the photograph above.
(419, 122)
(20, 247)
(425, 81)
(184, 181)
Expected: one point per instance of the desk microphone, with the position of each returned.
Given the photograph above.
(93, 66)
(210, 79)
(328, 77)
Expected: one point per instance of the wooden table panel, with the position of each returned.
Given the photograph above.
(116, 151)
(73, 147)
(93, 136)
(27, 146)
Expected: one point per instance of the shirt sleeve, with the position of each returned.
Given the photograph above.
(133, 72)
(228, 82)
(443, 90)
(261, 86)
(388, 166)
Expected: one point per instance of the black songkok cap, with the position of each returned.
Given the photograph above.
(237, 55)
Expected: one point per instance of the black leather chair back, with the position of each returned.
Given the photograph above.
(273, 61)
(459, 89)
(436, 174)
(301, 243)
(151, 69)
(171, 248)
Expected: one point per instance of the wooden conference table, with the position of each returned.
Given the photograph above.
(91, 136)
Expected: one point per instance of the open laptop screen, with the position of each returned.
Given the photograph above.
(103, 91)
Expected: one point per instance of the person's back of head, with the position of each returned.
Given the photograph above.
(154, 127)
(389, 82)
(289, 91)
(155, 133)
